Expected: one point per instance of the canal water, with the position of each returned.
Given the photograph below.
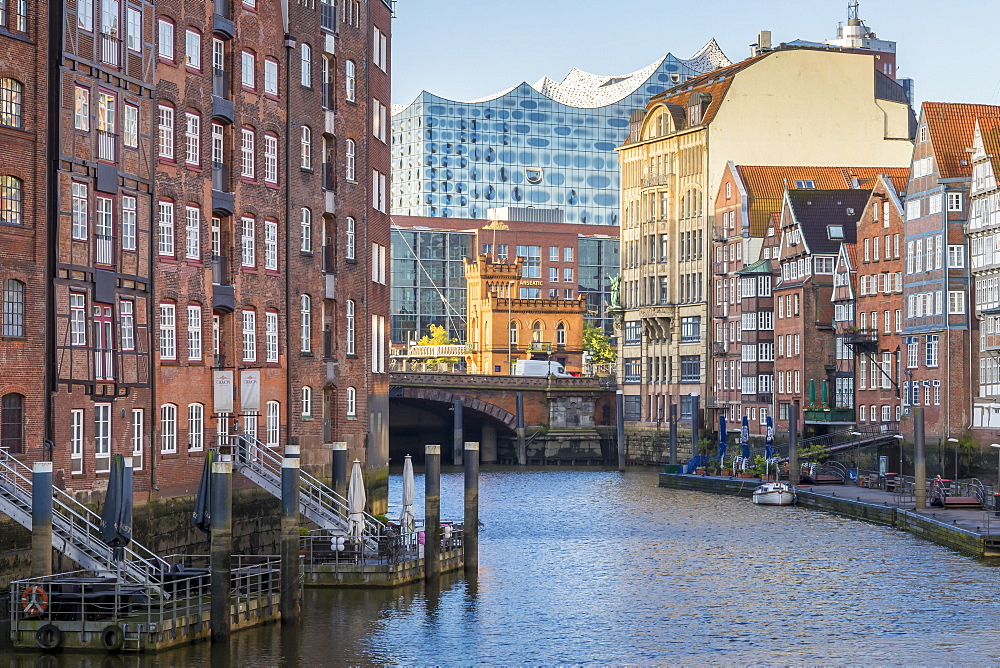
(584, 566)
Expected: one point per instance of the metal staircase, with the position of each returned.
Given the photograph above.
(320, 504)
(76, 530)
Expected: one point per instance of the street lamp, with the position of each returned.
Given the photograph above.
(901, 439)
(510, 341)
(955, 441)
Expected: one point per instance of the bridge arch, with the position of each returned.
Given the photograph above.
(473, 404)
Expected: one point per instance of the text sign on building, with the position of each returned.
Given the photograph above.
(223, 396)
(250, 391)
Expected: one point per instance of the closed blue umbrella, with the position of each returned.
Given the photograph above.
(116, 515)
(769, 439)
(722, 437)
(745, 437)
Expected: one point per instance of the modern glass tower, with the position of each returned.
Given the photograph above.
(550, 144)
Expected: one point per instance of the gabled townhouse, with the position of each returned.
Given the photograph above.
(938, 330)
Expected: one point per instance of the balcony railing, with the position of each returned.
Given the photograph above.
(720, 348)
(540, 347)
(656, 180)
(328, 176)
(864, 340)
(329, 259)
(829, 414)
(220, 270)
(111, 49)
(720, 310)
(327, 101)
(327, 344)
(107, 146)
(220, 82)
(220, 176)
(104, 249)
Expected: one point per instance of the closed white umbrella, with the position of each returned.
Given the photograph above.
(356, 502)
(407, 520)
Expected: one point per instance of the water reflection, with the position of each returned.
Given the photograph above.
(599, 567)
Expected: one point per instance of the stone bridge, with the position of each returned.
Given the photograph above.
(557, 420)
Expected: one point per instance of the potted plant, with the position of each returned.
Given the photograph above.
(713, 467)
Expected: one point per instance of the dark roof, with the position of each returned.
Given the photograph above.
(758, 267)
(886, 88)
(815, 210)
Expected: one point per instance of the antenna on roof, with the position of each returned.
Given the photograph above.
(852, 10)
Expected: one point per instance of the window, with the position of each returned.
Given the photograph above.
(192, 138)
(76, 440)
(130, 126)
(247, 248)
(931, 350)
(553, 253)
(956, 302)
(165, 43)
(247, 166)
(126, 309)
(77, 319)
(192, 234)
(561, 334)
(349, 239)
(306, 162)
(349, 327)
(194, 332)
(824, 265)
(690, 368)
(512, 333)
(305, 69)
(138, 424)
(11, 198)
(956, 256)
(11, 102)
(249, 336)
(349, 164)
(305, 231)
(307, 398)
(165, 120)
(954, 201)
(379, 114)
(168, 428)
(247, 74)
(270, 158)
(352, 402)
(168, 332)
(272, 420)
(567, 254)
(196, 427)
(270, 76)
(553, 274)
(81, 113)
(12, 423)
(349, 80)
(691, 329)
(192, 49)
(84, 14)
(305, 323)
(133, 29)
(270, 245)
(271, 337)
(379, 48)
(165, 235)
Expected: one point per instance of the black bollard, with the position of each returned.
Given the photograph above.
(41, 519)
(432, 511)
(919, 459)
(470, 536)
(290, 567)
(222, 547)
(340, 468)
(458, 433)
(673, 433)
(793, 444)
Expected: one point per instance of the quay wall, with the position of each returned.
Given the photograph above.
(927, 528)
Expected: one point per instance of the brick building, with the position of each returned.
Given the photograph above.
(24, 227)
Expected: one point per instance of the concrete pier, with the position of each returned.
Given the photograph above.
(470, 537)
(919, 460)
(41, 519)
(432, 510)
(221, 549)
(339, 468)
(291, 571)
(458, 433)
(793, 444)
(488, 444)
(522, 447)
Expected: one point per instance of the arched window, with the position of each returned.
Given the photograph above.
(11, 196)
(349, 80)
(349, 326)
(11, 102)
(306, 147)
(306, 68)
(352, 402)
(305, 313)
(168, 428)
(349, 160)
(513, 333)
(306, 231)
(561, 334)
(196, 427)
(307, 401)
(536, 332)
(349, 239)
(12, 423)
(13, 308)
(272, 422)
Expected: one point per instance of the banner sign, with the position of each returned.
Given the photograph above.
(223, 384)
(250, 391)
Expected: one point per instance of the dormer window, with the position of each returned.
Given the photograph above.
(835, 232)
(800, 184)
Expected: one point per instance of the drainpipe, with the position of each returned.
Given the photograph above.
(289, 309)
(52, 134)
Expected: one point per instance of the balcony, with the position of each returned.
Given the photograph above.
(540, 347)
(107, 146)
(720, 233)
(719, 349)
(104, 249)
(223, 294)
(656, 180)
(329, 182)
(329, 259)
(111, 49)
(862, 341)
(328, 98)
(720, 310)
(222, 195)
(720, 268)
(222, 25)
(829, 415)
(222, 107)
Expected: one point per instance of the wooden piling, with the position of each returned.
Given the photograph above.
(41, 519)
(222, 547)
(432, 511)
(291, 570)
(470, 537)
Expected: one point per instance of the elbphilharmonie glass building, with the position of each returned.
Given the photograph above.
(550, 144)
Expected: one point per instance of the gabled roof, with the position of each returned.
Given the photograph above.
(758, 267)
(815, 210)
(989, 130)
(951, 126)
(766, 185)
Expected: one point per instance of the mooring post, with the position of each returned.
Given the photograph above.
(340, 468)
(41, 519)
(432, 510)
(290, 566)
(673, 433)
(620, 423)
(222, 547)
(458, 433)
(919, 459)
(522, 448)
(793, 444)
(470, 535)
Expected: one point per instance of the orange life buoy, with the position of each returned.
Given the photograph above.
(34, 600)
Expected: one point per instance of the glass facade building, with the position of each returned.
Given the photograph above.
(551, 144)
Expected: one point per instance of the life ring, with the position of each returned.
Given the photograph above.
(34, 601)
(112, 638)
(48, 637)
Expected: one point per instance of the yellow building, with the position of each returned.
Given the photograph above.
(508, 322)
(790, 106)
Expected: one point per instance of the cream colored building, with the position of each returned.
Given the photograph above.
(790, 106)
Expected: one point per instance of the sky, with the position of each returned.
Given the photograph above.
(465, 49)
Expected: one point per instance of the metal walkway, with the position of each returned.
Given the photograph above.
(320, 504)
(76, 530)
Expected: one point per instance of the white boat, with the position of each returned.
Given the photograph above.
(774, 494)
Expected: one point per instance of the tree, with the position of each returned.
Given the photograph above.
(597, 345)
(439, 337)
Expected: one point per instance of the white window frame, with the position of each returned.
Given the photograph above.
(248, 248)
(81, 210)
(270, 245)
(305, 65)
(128, 218)
(248, 142)
(192, 49)
(165, 39)
(138, 436)
(271, 337)
(168, 429)
(305, 230)
(271, 76)
(272, 423)
(249, 323)
(352, 402)
(350, 81)
(130, 125)
(270, 158)
(248, 67)
(349, 327)
(306, 399)
(194, 342)
(196, 427)
(192, 138)
(77, 319)
(126, 323)
(305, 323)
(306, 144)
(350, 163)
(955, 202)
(165, 125)
(956, 302)
(165, 228)
(349, 238)
(192, 233)
(76, 435)
(168, 331)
